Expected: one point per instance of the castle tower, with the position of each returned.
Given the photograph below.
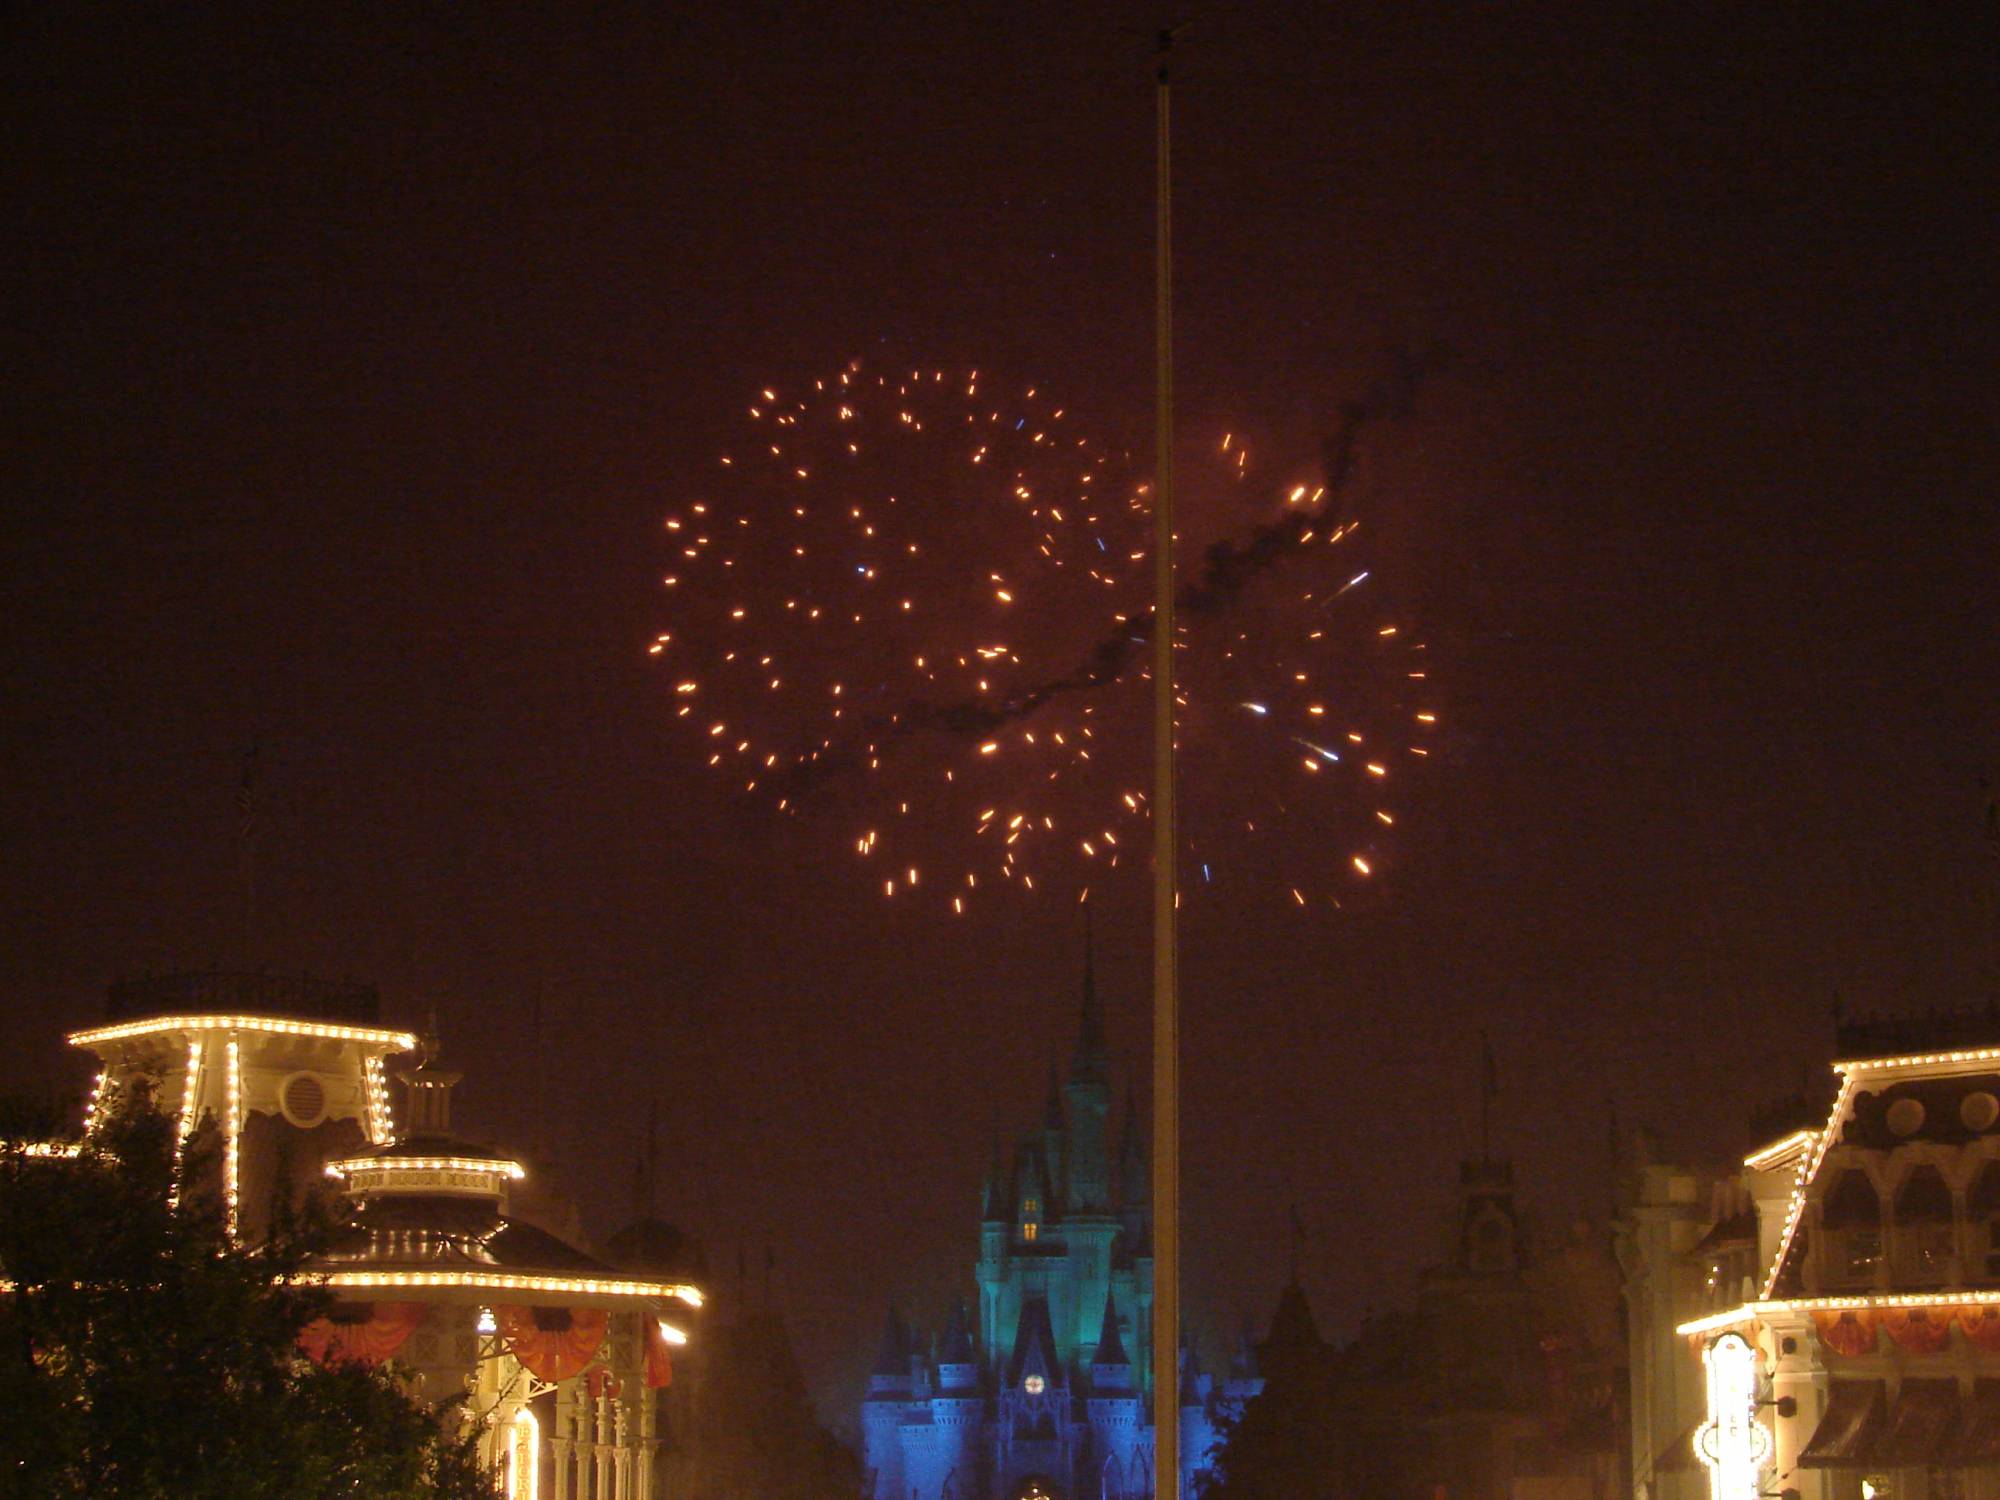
(1117, 1414)
(1133, 1252)
(1090, 1230)
(1053, 1394)
(994, 1216)
(882, 1412)
(1088, 1093)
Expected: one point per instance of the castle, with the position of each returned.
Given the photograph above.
(1047, 1390)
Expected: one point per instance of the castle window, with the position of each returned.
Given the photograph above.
(1030, 1229)
(1033, 1385)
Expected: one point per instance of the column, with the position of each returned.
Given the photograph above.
(565, 1421)
(601, 1451)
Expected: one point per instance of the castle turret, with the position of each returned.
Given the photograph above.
(882, 1413)
(1110, 1366)
(957, 1363)
(891, 1376)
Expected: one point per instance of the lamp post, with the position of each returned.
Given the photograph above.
(1166, 995)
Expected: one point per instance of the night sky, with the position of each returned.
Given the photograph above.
(353, 362)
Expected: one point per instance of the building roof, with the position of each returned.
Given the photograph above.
(657, 1248)
(1292, 1325)
(428, 1234)
(1934, 1030)
(219, 991)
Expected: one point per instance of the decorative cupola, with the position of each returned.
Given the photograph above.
(426, 1160)
(429, 1087)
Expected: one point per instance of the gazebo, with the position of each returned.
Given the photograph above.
(559, 1354)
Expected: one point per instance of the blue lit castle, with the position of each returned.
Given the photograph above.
(1047, 1387)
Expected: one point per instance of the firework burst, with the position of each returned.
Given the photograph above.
(912, 609)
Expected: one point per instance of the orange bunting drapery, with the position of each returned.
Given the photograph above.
(553, 1343)
(1917, 1330)
(659, 1358)
(1980, 1325)
(1848, 1332)
(361, 1333)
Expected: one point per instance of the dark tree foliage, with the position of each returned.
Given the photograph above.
(1287, 1444)
(143, 1355)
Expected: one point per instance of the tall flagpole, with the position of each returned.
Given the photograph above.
(1166, 994)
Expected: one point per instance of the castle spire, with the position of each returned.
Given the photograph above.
(1110, 1348)
(895, 1357)
(1092, 1063)
(956, 1346)
(993, 1209)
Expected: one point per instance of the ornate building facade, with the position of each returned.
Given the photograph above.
(438, 1258)
(1044, 1386)
(1829, 1327)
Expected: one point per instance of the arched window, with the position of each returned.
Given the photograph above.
(1982, 1207)
(1851, 1216)
(1924, 1227)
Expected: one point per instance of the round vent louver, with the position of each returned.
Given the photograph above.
(303, 1100)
